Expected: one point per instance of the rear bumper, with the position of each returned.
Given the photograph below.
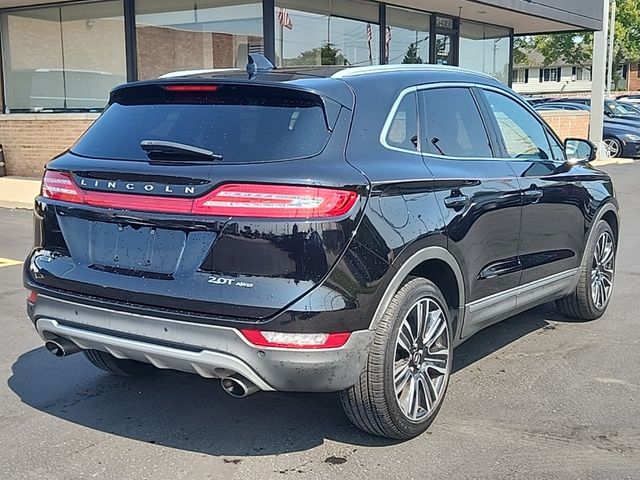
(207, 350)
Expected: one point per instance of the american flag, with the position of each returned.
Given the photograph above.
(387, 43)
(283, 19)
(369, 38)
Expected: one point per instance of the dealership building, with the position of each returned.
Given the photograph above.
(60, 60)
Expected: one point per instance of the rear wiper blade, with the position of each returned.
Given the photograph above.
(162, 149)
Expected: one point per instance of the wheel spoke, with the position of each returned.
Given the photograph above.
(607, 254)
(439, 327)
(424, 390)
(404, 337)
(401, 377)
(420, 319)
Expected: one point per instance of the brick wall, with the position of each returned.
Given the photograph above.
(634, 77)
(31, 140)
(568, 124)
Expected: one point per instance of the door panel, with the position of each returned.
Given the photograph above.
(553, 228)
(479, 198)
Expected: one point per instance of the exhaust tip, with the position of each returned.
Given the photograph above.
(55, 348)
(61, 347)
(237, 386)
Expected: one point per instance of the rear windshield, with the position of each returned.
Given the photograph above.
(243, 124)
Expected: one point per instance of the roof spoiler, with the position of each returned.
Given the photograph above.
(258, 63)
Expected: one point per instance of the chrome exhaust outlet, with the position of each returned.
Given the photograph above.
(238, 386)
(61, 347)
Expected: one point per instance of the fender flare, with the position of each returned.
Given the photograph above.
(428, 253)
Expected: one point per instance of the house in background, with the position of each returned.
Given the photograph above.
(536, 78)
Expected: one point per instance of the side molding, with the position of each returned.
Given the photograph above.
(428, 253)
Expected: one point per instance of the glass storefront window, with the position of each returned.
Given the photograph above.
(485, 48)
(407, 36)
(202, 34)
(327, 32)
(62, 58)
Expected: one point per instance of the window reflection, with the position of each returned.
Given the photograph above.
(407, 36)
(203, 34)
(485, 48)
(327, 32)
(63, 58)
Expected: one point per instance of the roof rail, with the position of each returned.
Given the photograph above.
(407, 67)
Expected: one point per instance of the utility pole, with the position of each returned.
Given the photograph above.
(612, 38)
(599, 79)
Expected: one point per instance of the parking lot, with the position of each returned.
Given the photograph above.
(535, 397)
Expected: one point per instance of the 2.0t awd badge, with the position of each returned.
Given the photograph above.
(229, 281)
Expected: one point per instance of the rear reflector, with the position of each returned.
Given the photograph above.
(261, 338)
(231, 200)
(33, 296)
(191, 88)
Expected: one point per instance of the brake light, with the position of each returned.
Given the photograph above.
(261, 338)
(60, 186)
(231, 200)
(282, 201)
(191, 88)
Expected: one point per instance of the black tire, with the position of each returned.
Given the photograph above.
(580, 304)
(371, 404)
(117, 366)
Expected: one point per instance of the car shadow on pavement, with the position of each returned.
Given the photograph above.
(190, 413)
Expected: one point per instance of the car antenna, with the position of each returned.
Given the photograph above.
(258, 63)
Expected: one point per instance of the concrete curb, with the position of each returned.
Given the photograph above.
(612, 161)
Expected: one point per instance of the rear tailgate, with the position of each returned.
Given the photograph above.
(238, 238)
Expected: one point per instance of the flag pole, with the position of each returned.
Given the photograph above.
(281, 44)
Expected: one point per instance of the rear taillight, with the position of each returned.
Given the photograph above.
(60, 186)
(231, 200)
(261, 338)
(282, 201)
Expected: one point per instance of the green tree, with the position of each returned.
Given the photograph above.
(327, 55)
(412, 54)
(577, 49)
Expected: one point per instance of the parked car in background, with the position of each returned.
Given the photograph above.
(621, 135)
(633, 99)
(280, 231)
(574, 100)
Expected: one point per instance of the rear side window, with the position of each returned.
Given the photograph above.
(403, 129)
(243, 124)
(454, 127)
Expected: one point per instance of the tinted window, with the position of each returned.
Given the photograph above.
(239, 125)
(522, 133)
(403, 130)
(454, 126)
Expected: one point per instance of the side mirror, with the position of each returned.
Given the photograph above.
(579, 151)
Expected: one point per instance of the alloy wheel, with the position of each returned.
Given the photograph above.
(602, 270)
(422, 356)
(613, 147)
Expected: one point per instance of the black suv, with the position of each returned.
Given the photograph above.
(314, 231)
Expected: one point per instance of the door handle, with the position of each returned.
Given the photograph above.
(533, 194)
(457, 201)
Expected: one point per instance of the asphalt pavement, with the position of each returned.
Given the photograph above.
(535, 397)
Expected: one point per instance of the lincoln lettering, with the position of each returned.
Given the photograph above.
(139, 187)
